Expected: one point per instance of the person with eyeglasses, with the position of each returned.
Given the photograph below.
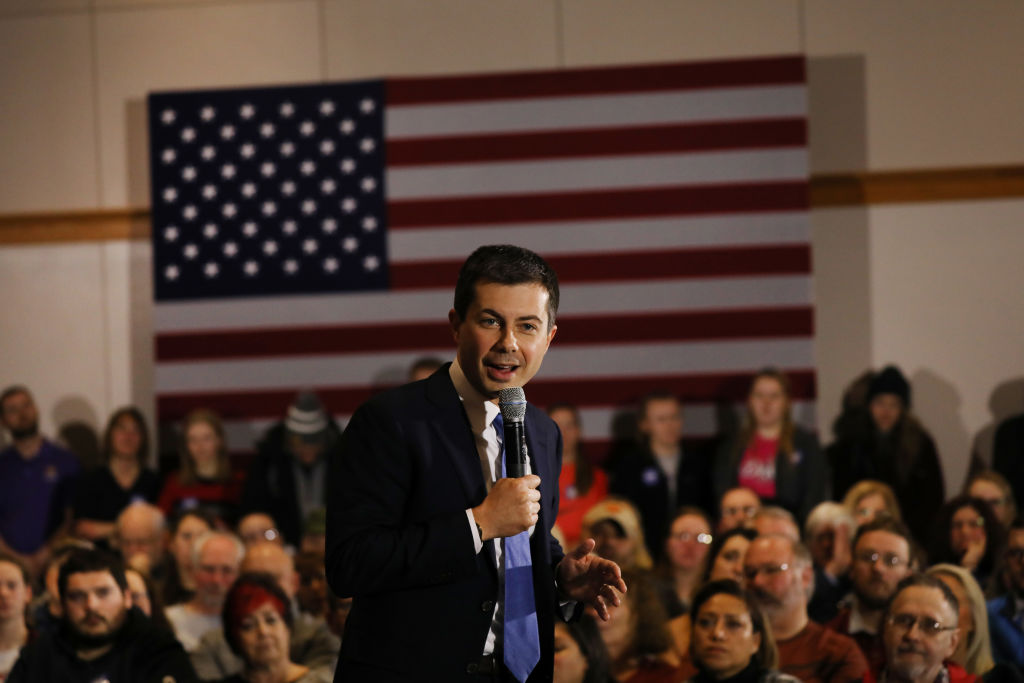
(967, 533)
(881, 559)
(777, 571)
(921, 630)
(1006, 612)
(686, 556)
(992, 487)
(737, 508)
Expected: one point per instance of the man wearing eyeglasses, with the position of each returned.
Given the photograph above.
(1006, 613)
(880, 560)
(921, 632)
(779, 574)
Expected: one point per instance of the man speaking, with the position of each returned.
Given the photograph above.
(452, 566)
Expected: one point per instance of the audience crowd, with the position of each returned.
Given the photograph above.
(762, 557)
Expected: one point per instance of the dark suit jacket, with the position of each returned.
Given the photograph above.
(399, 542)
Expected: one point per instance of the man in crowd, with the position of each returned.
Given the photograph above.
(921, 632)
(1006, 612)
(216, 559)
(779, 575)
(101, 637)
(35, 483)
(140, 532)
(737, 508)
(15, 593)
(881, 559)
(775, 520)
(660, 476)
(312, 643)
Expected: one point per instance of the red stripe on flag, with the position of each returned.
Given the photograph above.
(598, 142)
(597, 80)
(567, 206)
(613, 328)
(583, 392)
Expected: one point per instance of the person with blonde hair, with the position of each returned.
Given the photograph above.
(615, 525)
(868, 498)
(974, 651)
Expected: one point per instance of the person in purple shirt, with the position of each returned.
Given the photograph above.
(35, 482)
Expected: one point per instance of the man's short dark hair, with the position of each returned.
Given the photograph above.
(11, 559)
(504, 264)
(13, 390)
(657, 395)
(886, 524)
(81, 561)
(926, 581)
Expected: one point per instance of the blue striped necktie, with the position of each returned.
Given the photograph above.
(521, 640)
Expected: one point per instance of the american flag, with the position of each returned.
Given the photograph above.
(309, 236)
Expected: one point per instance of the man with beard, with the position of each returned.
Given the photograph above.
(1006, 613)
(881, 559)
(921, 632)
(101, 636)
(34, 477)
(779, 574)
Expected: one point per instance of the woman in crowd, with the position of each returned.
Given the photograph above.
(771, 456)
(890, 445)
(992, 487)
(974, 651)
(580, 654)
(186, 527)
(145, 598)
(580, 484)
(968, 534)
(732, 642)
(204, 478)
(102, 493)
(686, 556)
(869, 498)
(615, 526)
(257, 625)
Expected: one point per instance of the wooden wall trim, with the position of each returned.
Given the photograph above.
(827, 190)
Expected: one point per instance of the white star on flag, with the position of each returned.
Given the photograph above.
(167, 116)
(367, 145)
(171, 272)
(327, 147)
(208, 152)
(331, 264)
(229, 210)
(188, 134)
(289, 227)
(348, 204)
(308, 207)
(288, 188)
(270, 247)
(230, 249)
(368, 184)
(307, 128)
(369, 224)
(249, 229)
(350, 244)
(168, 156)
(190, 212)
(227, 132)
(367, 106)
(268, 169)
(210, 231)
(348, 165)
(207, 113)
(251, 268)
(291, 266)
(171, 233)
(209, 192)
(310, 246)
(328, 186)
(247, 150)
(247, 111)
(170, 194)
(188, 174)
(190, 251)
(329, 225)
(248, 189)
(267, 130)
(287, 109)
(228, 171)
(327, 108)
(307, 167)
(287, 148)
(347, 126)
(371, 263)
(211, 269)
(269, 208)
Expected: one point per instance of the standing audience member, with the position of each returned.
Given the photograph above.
(967, 533)
(614, 524)
(102, 637)
(580, 654)
(103, 492)
(580, 484)
(15, 595)
(659, 476)
(311, 642)
(424, 367)
(686, 557)
(881, 559)
(771, 456)
(869, 498)
(204, 478)
(892, 446)
(180, 584)
(974, 652)
(36, 476)
(258, 625)
(992, 487)
(737, 508)
(1008, 454)
(780, 576)
(313, 594)
(827, 533)
(1006, 611)
(216, 558)
(921, 632)
(288, 478)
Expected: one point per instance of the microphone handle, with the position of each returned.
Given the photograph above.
(515, 449)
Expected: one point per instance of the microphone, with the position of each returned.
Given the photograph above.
(512, 403)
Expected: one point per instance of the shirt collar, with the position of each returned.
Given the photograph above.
(480, 411)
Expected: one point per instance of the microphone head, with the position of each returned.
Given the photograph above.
(512, 403)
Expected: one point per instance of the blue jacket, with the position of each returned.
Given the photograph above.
(1007, 637)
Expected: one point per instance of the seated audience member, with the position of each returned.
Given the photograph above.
(732, 642)
(779, 575)
(140, 533)
(258, 527)
(772, 519)
(15, 595)
(779, 461)
(614, 524)
(659, 475)
(1006, 611)
(102, 636)
(580, 484)
(868, 499)
(312, 596)
(145, 598)
(737, 508)
(580, 654)
(311, 642)
(45, 612)
(258, 623)
(891, 446)
(36, 478)
(1008, 454)
(881, 559)
(424, 367)
(288, 477)
(216, 557)
(636, 634)
(180, 584)
(992, 487)
(827, 533)
(204, 478)
(921, 632)
(102, 493)
(967, 533)
(686, 555)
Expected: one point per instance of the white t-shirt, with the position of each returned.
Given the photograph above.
(7, 660)
(190, 626)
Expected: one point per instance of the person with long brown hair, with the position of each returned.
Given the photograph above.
(771, 455)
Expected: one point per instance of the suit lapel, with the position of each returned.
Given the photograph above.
(453, 432)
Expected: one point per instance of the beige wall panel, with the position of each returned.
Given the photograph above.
(36, 7)
(941, 77)
(203, 46)
(370, 38)
(946, 285)
(47, 120)
(613, 32)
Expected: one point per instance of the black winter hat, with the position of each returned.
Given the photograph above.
(890, 381)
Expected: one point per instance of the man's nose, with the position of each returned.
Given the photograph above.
(507, 342)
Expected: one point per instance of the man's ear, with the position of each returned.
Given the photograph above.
(454, 321)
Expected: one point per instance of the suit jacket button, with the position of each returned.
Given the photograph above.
(487, 606)
(472, 668)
